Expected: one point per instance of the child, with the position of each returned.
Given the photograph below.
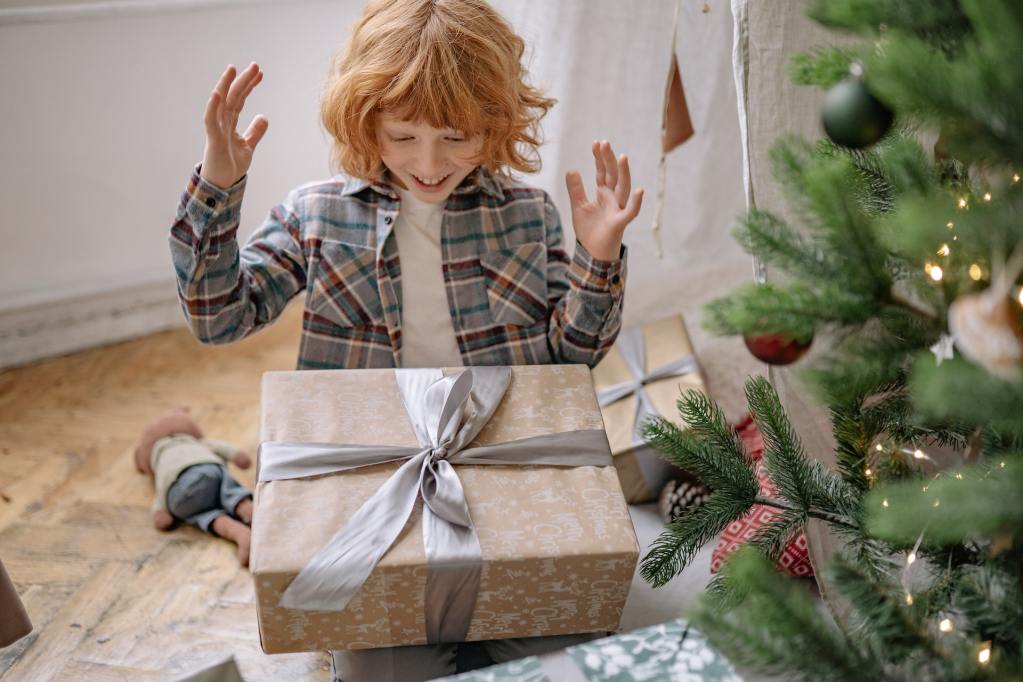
(423, 252)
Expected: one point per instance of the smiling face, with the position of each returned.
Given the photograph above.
(428, 161)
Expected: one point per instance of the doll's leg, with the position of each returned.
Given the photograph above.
(196, 490)
(235, 498)
(195, 498)
(235, 531)
(394, 664)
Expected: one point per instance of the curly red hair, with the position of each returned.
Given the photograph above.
(448, 63)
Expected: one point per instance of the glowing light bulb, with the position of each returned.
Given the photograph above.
(987, 196)
(919, 454)
(884, 503)
(962, 202)
(944, 250)
(1015, 178)
(937, 502)
(950, 226)
(984, 655)
(868, 472)
(975, 272)
(909, 599)
(936, 273)
(910, 558)
(879, 447)
(959, 476)
(945, 625)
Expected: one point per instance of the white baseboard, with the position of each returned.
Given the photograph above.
(73, 324)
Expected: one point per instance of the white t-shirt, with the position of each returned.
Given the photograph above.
(427, 334)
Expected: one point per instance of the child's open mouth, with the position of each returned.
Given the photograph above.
(430, 184)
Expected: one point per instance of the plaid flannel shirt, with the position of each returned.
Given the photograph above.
(513, 294)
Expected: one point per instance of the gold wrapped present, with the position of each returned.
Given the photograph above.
(642, 376)
(526, 529)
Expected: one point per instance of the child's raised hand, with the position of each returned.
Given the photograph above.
(600, 224)
(228, 155)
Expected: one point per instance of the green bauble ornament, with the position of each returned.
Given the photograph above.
(853, 117)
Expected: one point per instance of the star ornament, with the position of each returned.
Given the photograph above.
(943, 348)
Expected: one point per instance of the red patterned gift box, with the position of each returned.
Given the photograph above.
(795, 558)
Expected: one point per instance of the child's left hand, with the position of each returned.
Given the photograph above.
(600, 224)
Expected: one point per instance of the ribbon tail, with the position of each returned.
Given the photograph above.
(615, 392)
(644, 409)
(454, 558)
(454, 569)
(332, 578)
(633, 349)
(676, 368)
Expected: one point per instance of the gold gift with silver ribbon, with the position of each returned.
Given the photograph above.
(409, 506)
(643, 375)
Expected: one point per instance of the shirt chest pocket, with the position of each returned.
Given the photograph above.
(516, 281)
(344, 285)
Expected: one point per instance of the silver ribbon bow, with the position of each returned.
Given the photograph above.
(446, 413)
(633, 350)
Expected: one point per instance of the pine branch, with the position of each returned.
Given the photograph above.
(980, 398)
(675, 548)
(822, 66)
(722, 470)
(778, 245)
(941, 22)
(991, 603)
(952, 509)
(882, 613)
(800, 480)
(971, 95)
(834, 519)
(772, 538)
(795, 309)
(778, 629)
(709, 425)
(832, 187)
(893, 168)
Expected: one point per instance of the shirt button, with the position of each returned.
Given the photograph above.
(388, 220)
(211, 202)
(615, 279)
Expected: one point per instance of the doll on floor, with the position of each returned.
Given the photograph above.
(192, 482)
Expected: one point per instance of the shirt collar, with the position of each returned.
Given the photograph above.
(479, 179)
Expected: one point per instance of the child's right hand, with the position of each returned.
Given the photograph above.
(228, 155)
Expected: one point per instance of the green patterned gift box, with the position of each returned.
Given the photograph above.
(670, 651)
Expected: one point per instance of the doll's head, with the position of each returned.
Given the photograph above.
(171, 423)
(451, 65)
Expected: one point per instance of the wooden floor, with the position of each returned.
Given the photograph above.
(110, 597)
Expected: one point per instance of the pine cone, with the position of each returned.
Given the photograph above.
(680, 496)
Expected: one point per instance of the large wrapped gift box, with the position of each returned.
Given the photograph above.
(643, 375)
(556, 543)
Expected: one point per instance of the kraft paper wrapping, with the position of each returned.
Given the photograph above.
(559, 549)
(665, 340)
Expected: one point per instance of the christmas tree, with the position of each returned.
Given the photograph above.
(903, 260)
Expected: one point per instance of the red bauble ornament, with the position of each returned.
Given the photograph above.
(776, 349)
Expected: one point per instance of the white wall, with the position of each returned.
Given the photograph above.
(102, 121)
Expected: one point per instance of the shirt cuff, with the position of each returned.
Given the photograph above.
(211, 210)
(594, 274)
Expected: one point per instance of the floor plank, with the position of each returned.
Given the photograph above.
(112, 598)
